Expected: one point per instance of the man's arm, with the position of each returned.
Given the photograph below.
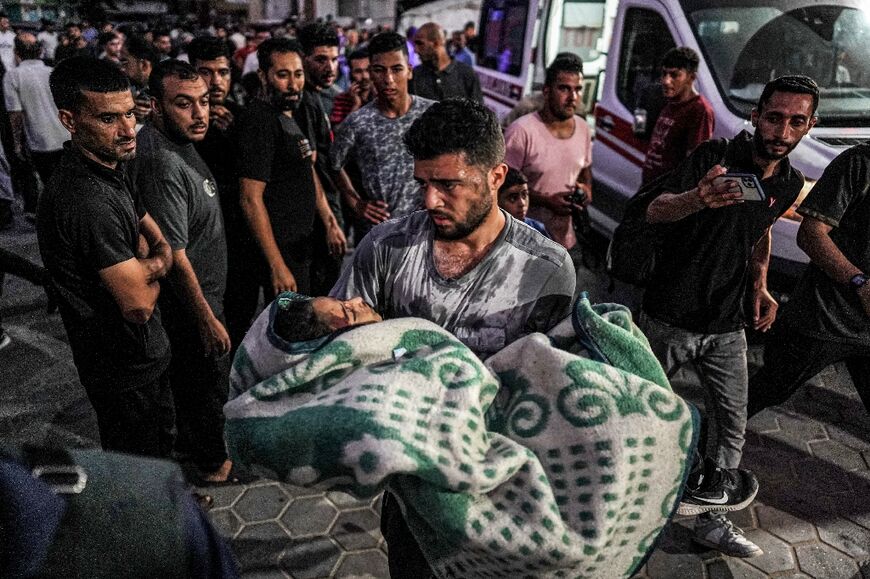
(764, 306)
(214, 336)
(335, 239)
(375, 211)
(670, 207)
(19, 146)
(155, 254)
(258, 219)
(555, 299)
(128, 283)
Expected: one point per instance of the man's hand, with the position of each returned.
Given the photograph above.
(763, 309)
(282, 279)
(587, 195)
(143, 250)
(717, 195)
(373, 211)
(864, 296)
(336, 241)
(356, 93)
(142, 108)
(220, 116)
(560, 203)
(214, 336)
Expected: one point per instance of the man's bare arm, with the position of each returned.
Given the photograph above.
(129, 284)
(670, 207)
(257, 217)
(764, 306)
(16, 119)
(214, 336)
(374, 211)
(814, 237)
(335, 238)
(158, 259)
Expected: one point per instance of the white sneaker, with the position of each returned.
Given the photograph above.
(715, 531)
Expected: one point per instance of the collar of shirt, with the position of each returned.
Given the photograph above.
(78, 160)
(743, 142)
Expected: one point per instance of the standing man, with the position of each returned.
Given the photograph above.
(48, 38)
(77, 45)
(7, 43)
(109, 46)
(220, 150)
(552, 147)
(373, 137)
(361, 91)
(37, 133)
(439, 77)
(685, 122)
(320, 44)
(162, 44)
(827, 319)
(138, 59)
(181, 193)
(280, 192)
(463, 263)
(106, 254)
(715, 252)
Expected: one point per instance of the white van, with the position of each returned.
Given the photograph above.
(743, 44)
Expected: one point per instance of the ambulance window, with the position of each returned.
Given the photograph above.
(645, 40)
(502, 35)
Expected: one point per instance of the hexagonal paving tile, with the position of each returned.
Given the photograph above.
(344, 500)
(309, 516)
(777, 554)
(845, 536)
(838, 454)
(310, 558)
(258, 546)
(261, 503)
(372, 563)
(730, 568)
(784, 525)
(743, 518)
(225, 521)
(356, 530)
(225, 496)
(825, 477)
(823, 562)
(662, 565)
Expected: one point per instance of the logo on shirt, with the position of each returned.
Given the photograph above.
(210, 187)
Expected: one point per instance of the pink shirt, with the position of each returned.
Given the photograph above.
(551, 165)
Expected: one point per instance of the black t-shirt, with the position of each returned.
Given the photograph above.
(88, 220)
(458, 80)
(274, 150)
(314, 122)
(821, 307)
(701, 272)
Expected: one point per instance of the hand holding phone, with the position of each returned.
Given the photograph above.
(749, 185)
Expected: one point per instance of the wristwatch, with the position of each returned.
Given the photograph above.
(858, 281)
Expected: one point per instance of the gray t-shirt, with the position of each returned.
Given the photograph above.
(525, 284)
(386, 165)
(180, 193)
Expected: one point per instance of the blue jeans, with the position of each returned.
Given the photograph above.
(720, 360)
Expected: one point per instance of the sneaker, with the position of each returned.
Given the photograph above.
(717, 532)
(719, 490)
(5, 340)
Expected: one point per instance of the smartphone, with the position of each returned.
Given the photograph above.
(750, 186)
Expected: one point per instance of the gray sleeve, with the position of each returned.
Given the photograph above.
(166, 199)
(555, 299)
(363, 277)
(343, 143)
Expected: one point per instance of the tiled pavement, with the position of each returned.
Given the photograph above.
(812, 456)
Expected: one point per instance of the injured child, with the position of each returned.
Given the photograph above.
(563, 454)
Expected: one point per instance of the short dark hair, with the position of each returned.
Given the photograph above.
(76, 74)
(316, 34)
(564, 62)
(388, 41)
(169, 68)
(296, 321)
(358, 54)
(72, 25)
(27, 50)
(513, 178)
(106, 37)
(138, 47)
(457, 125)
(271, 46)
(793, 83)
(681, 57)
(208, 48)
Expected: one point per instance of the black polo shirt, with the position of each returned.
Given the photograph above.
(458, 80)
(702, 271)
(88, 220)
(821, 307)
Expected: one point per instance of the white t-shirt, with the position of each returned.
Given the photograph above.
(26, 89)
(7, 49)
(49, 43)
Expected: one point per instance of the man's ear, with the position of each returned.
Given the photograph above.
(68, 120)
(497, 176)
(156, 108)
(753, 117)
(147, 67)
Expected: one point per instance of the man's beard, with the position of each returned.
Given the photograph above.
(283, 101)
(761, 147)
(175, 132)
(477, 214)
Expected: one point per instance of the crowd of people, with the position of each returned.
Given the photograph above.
(187, 178)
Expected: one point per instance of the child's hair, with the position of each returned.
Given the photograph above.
(513, 178)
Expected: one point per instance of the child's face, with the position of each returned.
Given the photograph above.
(515, 200)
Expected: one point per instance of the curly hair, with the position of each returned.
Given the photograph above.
(457, 125)
(564, 62)
(793, 83)
(316, 34)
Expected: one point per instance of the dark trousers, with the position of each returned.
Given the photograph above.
(199, 386)
(406, 560)
(791, 359)
(325, 268)
(136, 420)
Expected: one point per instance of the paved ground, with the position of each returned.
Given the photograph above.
(812, 516)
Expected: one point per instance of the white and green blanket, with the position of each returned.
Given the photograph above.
(562, 456)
